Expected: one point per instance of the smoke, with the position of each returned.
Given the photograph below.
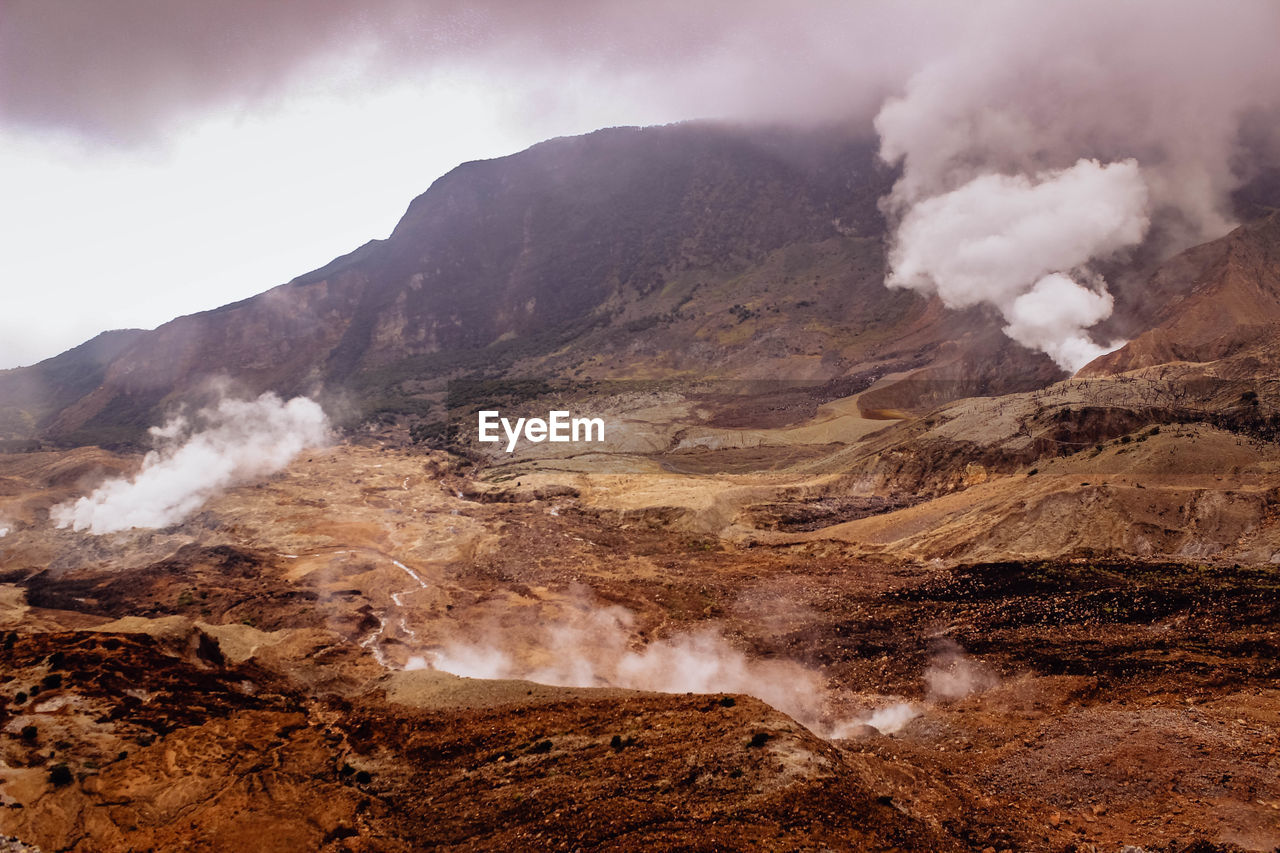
(595, 650)
(951, 675)
(598, 648)
(234, 442)
(1051, 135)
(1006, 239)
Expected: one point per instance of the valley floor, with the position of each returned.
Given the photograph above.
(284, 670)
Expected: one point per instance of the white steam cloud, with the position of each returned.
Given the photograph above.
(890, 718)
(598, 650)
(595, 651)
(1010, 240)
(234, 442)
(1004, 198)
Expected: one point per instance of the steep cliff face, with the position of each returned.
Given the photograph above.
(514, 247)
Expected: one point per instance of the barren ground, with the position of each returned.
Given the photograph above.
(1091, 649)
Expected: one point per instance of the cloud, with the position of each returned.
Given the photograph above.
(234, 442)
(1049, 136)
(1010, 240)
(1030, 87)
(126, 71)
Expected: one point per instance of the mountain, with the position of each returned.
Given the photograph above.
(687, 250)
(33, 394)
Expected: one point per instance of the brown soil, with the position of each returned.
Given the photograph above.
(218, 685)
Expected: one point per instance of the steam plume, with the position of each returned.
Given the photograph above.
(1052, 134)
(598, 649)
(595, 650)
(1006, 240)
(951, 675)
(891, 718)
(233, 442)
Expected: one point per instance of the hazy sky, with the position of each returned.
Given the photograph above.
(159, 157)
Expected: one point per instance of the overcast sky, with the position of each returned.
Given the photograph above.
(159, 157)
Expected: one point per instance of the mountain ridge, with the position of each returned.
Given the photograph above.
(504, 262)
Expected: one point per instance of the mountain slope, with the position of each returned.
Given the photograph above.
(678, 251)
(1229, 305)
(518, 247)
(32, 394)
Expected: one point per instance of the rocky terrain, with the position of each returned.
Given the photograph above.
(849, 571)
(254, 668)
